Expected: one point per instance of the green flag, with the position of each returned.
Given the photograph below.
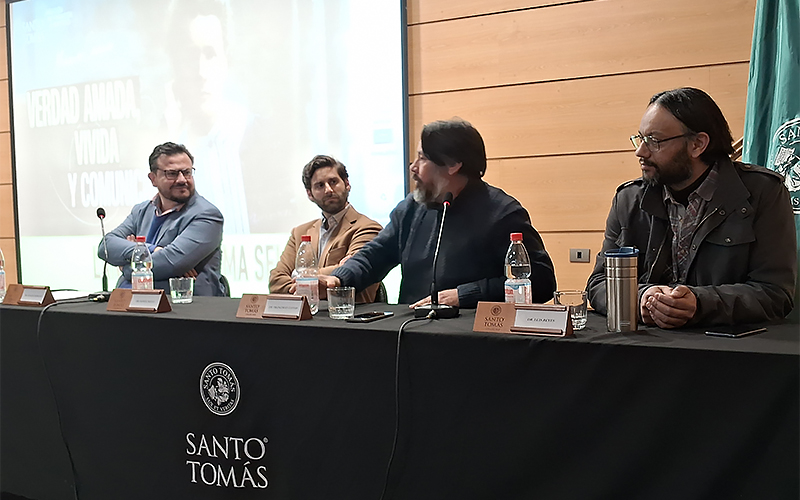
(772, 117)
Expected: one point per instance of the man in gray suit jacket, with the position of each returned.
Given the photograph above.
(182, 229)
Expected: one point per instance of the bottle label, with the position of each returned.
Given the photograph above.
(142, 281)
(309, 287)
(304, 285)
(518, 291)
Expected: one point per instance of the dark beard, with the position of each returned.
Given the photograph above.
(180, 199)
(675, 171)
(332, 209)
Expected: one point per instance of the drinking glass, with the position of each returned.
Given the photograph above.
(341, 302)
(576, 300)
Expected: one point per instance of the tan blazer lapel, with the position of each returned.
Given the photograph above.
(314, 232)
(350, 217)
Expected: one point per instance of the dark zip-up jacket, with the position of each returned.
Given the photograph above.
(743, 256)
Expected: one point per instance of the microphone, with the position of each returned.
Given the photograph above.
(104, 295)
(435, 310)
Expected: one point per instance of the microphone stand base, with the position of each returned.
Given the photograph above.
(440, 311)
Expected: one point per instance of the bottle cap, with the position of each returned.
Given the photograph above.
(516, 236)
(305, 237)
(140, 239)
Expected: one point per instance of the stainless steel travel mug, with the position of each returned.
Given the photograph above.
(622, 291)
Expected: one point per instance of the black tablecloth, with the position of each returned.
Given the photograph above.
(651, 414)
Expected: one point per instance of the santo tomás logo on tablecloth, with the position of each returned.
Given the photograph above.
(786, 159)
(219, 388)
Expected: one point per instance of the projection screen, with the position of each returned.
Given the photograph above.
(254, 89)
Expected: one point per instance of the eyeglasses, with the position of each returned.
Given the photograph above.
(651, 142)
(173, 174)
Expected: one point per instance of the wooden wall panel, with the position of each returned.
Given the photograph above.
(5, 158)
(6, 211)
(5, 120)
(425, 11)
(572, 275)
(7, 241)
(3, 57)
(8, 245)
(577, 40)
(565, 193)
(575, 116)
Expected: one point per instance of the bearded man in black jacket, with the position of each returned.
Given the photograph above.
(451, 158)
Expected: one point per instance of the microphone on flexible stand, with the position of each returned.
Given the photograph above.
(436, 310)
(104, 295)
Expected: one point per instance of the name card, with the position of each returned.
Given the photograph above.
(526, 319)
(542, 319)
(275, 305)
(33, 295)
(127, 300)
(27, 295)
(144, 301)
(283, 308)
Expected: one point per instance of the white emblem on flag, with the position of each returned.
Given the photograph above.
(787, 154)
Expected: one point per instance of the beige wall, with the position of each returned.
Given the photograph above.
(7, 242)
(557, 88)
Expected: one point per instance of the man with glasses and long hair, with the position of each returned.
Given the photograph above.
(182, 229)
(716, 237)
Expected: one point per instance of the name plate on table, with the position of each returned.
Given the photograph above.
(274, 305)
(127, 300)
(27, 295)
(527, 319)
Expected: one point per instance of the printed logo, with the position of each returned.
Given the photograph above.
(786, 144)
(496, 310)
(219, 388)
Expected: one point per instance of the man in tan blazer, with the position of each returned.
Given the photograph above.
(336, 236)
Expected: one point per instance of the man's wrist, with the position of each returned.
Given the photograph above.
(697, 308)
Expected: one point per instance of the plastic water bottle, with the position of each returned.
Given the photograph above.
(2, 276)
(307, 273)
(142, 266)
(518, 269)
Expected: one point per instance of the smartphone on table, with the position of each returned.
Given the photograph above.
(369, 317)
(734, 331)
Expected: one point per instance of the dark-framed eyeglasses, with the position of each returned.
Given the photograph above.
(173, 174)
(651, 142)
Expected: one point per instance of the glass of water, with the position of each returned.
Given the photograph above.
(576, 300)
(341, 302)
(181, 290)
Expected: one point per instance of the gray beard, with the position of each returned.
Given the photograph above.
(425, 197)
(420, 196)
